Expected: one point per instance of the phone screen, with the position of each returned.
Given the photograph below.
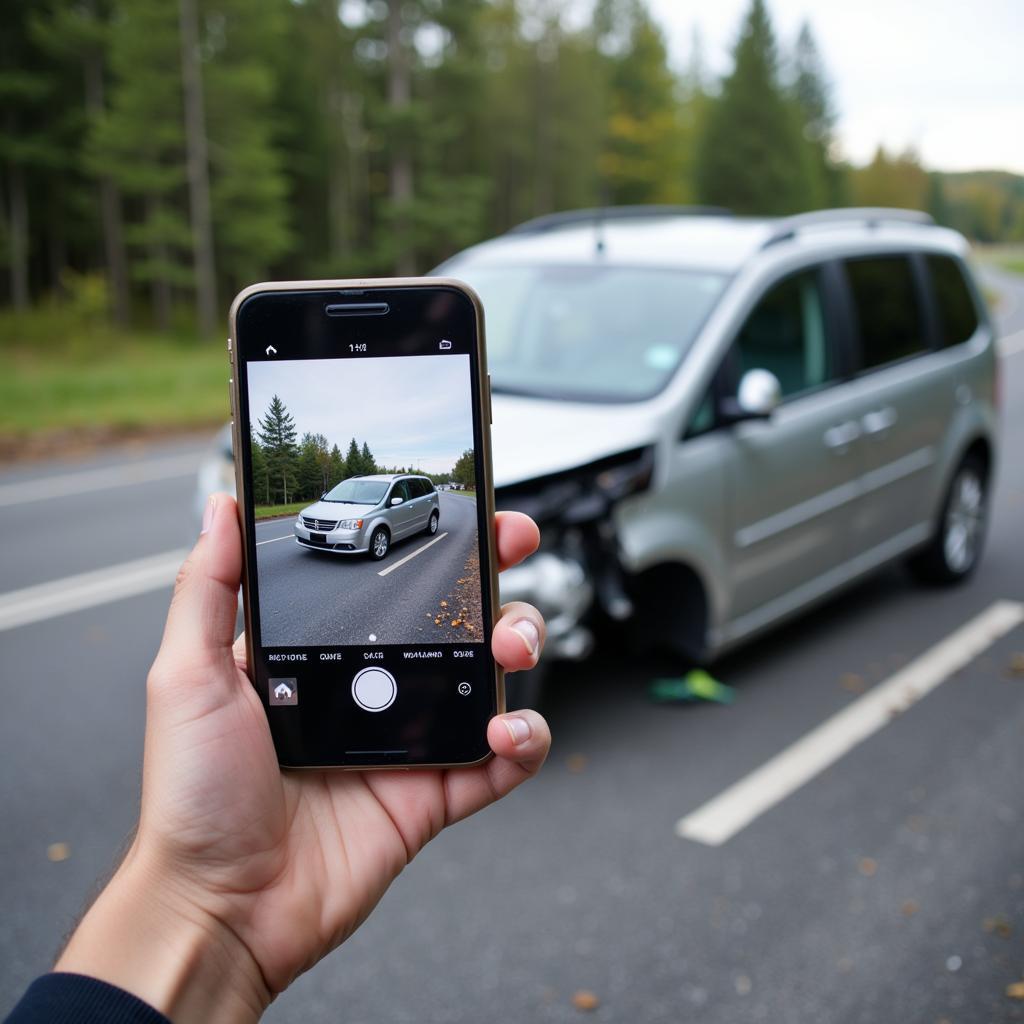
(360, 427)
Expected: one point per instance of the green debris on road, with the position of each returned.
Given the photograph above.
(694, 686)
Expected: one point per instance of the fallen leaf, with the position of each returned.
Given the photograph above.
(909, 908)
(456, 622)
(585, 1000)
(867, 866)
(576, 763)
(444, 604)
(1017, 664)
(1015, 990)
(470, 626)
(58, 852)
(997, 925)
(853, 682)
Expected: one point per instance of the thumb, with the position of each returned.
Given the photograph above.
(201, 620)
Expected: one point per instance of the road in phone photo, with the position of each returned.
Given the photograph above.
(887, 887)
(319, 599)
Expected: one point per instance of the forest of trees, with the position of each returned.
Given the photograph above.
(287, 468)
(167, 152)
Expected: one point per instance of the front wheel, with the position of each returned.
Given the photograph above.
(432, 523)
(953, 553)
(380, 542)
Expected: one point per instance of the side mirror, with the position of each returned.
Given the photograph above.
(757, 397)
(396, 500)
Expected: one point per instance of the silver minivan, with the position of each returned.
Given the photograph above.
(368, 514)
(719, 421)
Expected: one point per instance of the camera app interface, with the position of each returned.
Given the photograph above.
(363, 482)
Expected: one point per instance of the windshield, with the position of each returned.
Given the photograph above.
(589, 333)
(358, 492)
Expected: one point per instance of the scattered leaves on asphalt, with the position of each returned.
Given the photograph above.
(57, 852)
(853, 683)
(585, 1000)
(1015, 990)
(867, 866)
(444, 604)
(576, 764)
(999, 925)
(909, 908)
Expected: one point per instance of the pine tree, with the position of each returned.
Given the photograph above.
(337, 470)
(353, 459)
(367, 460)
(139, 143)
(276, 433)
(812, 95)
(752, 157)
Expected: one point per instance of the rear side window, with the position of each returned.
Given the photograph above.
(887, 309)
(785, 333)
(958, 319)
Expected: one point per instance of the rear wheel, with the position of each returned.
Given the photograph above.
(380, 542)
(432, 523)
(953, 553)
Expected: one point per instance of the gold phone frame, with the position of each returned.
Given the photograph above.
(483, 399)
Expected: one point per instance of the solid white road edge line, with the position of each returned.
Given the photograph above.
(274, 539)
(103, 479)
(88, 589)
(1011, 344)
(418, 551)
(722, 817)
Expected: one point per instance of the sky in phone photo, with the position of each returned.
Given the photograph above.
(411, 410)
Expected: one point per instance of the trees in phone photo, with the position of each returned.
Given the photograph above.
(464, 470)
(276, 434)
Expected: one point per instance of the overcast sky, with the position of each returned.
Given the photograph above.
(946, 76)
(411, 410)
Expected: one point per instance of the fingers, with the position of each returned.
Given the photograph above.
(518, 637)
(518, 537)
(201, 621)
(520, 741)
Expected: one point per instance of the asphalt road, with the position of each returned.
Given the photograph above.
(888, 888)
(310, 598)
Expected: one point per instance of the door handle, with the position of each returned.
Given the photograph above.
(878, 421)
(841, 436)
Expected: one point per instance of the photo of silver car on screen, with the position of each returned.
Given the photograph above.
(363, 489)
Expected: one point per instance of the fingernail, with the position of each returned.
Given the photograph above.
(208, 515)
(518, 729)
(528, 631)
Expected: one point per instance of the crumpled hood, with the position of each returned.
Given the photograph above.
(534, 437)
(335, 510)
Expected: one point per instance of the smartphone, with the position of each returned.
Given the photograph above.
(361, 416)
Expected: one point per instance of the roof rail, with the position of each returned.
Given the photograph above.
(869, 216)
(598, 214)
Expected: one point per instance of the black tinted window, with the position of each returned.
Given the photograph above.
(400, 490)
(417, 488)
(785, 333)
(958, 319)
(887, 311)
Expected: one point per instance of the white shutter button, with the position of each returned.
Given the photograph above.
(374, 689)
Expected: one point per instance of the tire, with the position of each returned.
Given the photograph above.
(955, 550)
(432, 522)
(380, 543)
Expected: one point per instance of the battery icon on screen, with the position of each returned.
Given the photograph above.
(445, 345)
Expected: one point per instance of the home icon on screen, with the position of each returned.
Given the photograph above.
(283, 692)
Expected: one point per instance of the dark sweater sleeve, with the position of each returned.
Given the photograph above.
(75, 999)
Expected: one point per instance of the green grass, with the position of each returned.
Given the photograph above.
(62, 374)
(274, 511)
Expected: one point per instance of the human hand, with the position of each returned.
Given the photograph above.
(240, 876)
